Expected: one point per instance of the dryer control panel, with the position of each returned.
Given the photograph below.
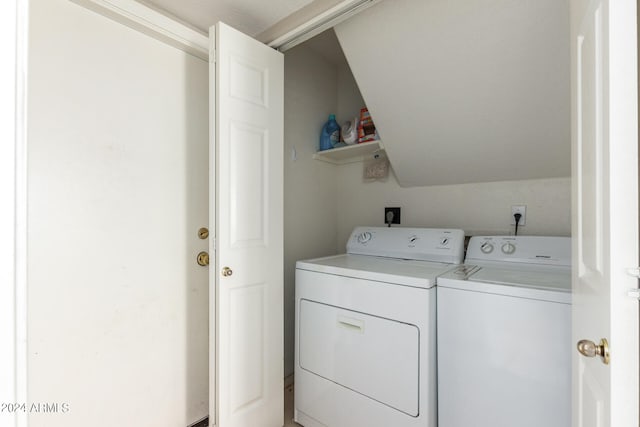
(424, 244)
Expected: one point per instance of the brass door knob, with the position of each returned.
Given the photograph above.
(203, 259)
(226, 272)
(588, 348)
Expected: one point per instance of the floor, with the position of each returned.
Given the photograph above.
(288, 407)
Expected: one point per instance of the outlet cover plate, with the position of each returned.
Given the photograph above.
(396, 215)
(522, 210)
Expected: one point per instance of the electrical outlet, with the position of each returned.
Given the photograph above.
(522, 210)
(392, 214)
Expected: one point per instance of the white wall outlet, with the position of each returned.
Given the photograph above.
(522, 210)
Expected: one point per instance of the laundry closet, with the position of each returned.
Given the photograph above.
(488, 141)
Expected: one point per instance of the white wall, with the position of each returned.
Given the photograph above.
(310, 211)
(117, 191)
(12, 250)
(349, 98)
(480, 208)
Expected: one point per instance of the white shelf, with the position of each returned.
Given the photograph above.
(351, 153)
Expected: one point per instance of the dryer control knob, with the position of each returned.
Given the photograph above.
(364, 237)
(444, 241)
(486, 248)
(508, 248)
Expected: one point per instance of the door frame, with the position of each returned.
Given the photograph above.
(13, 217)
(154, 23)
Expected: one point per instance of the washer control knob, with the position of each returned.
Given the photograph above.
(364, 237)
(486, 248)
(508, 248)
(444, 241)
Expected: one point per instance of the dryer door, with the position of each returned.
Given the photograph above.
(370, 355)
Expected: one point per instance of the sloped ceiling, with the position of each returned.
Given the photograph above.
(466, 90)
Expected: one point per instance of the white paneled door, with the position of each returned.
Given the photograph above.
(605, 211)
(246, 102)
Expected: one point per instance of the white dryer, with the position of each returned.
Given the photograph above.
(365, 329)
(504, 335)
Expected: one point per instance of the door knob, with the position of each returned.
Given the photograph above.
(203, 259)
(226, 272)
(590, 349)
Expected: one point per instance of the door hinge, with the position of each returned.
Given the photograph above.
(212, 56)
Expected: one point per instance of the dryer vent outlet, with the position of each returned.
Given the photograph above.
(392, 215)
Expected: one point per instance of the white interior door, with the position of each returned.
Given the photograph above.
(605, 209)
(247, 135)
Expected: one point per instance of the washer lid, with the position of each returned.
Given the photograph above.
(421, 274)
(549, 285)
(557, 280)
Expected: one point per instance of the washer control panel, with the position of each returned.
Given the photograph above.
(426, 244)
(544, 250)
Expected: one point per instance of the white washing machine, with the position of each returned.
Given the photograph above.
(365, 329)
(504, 335)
